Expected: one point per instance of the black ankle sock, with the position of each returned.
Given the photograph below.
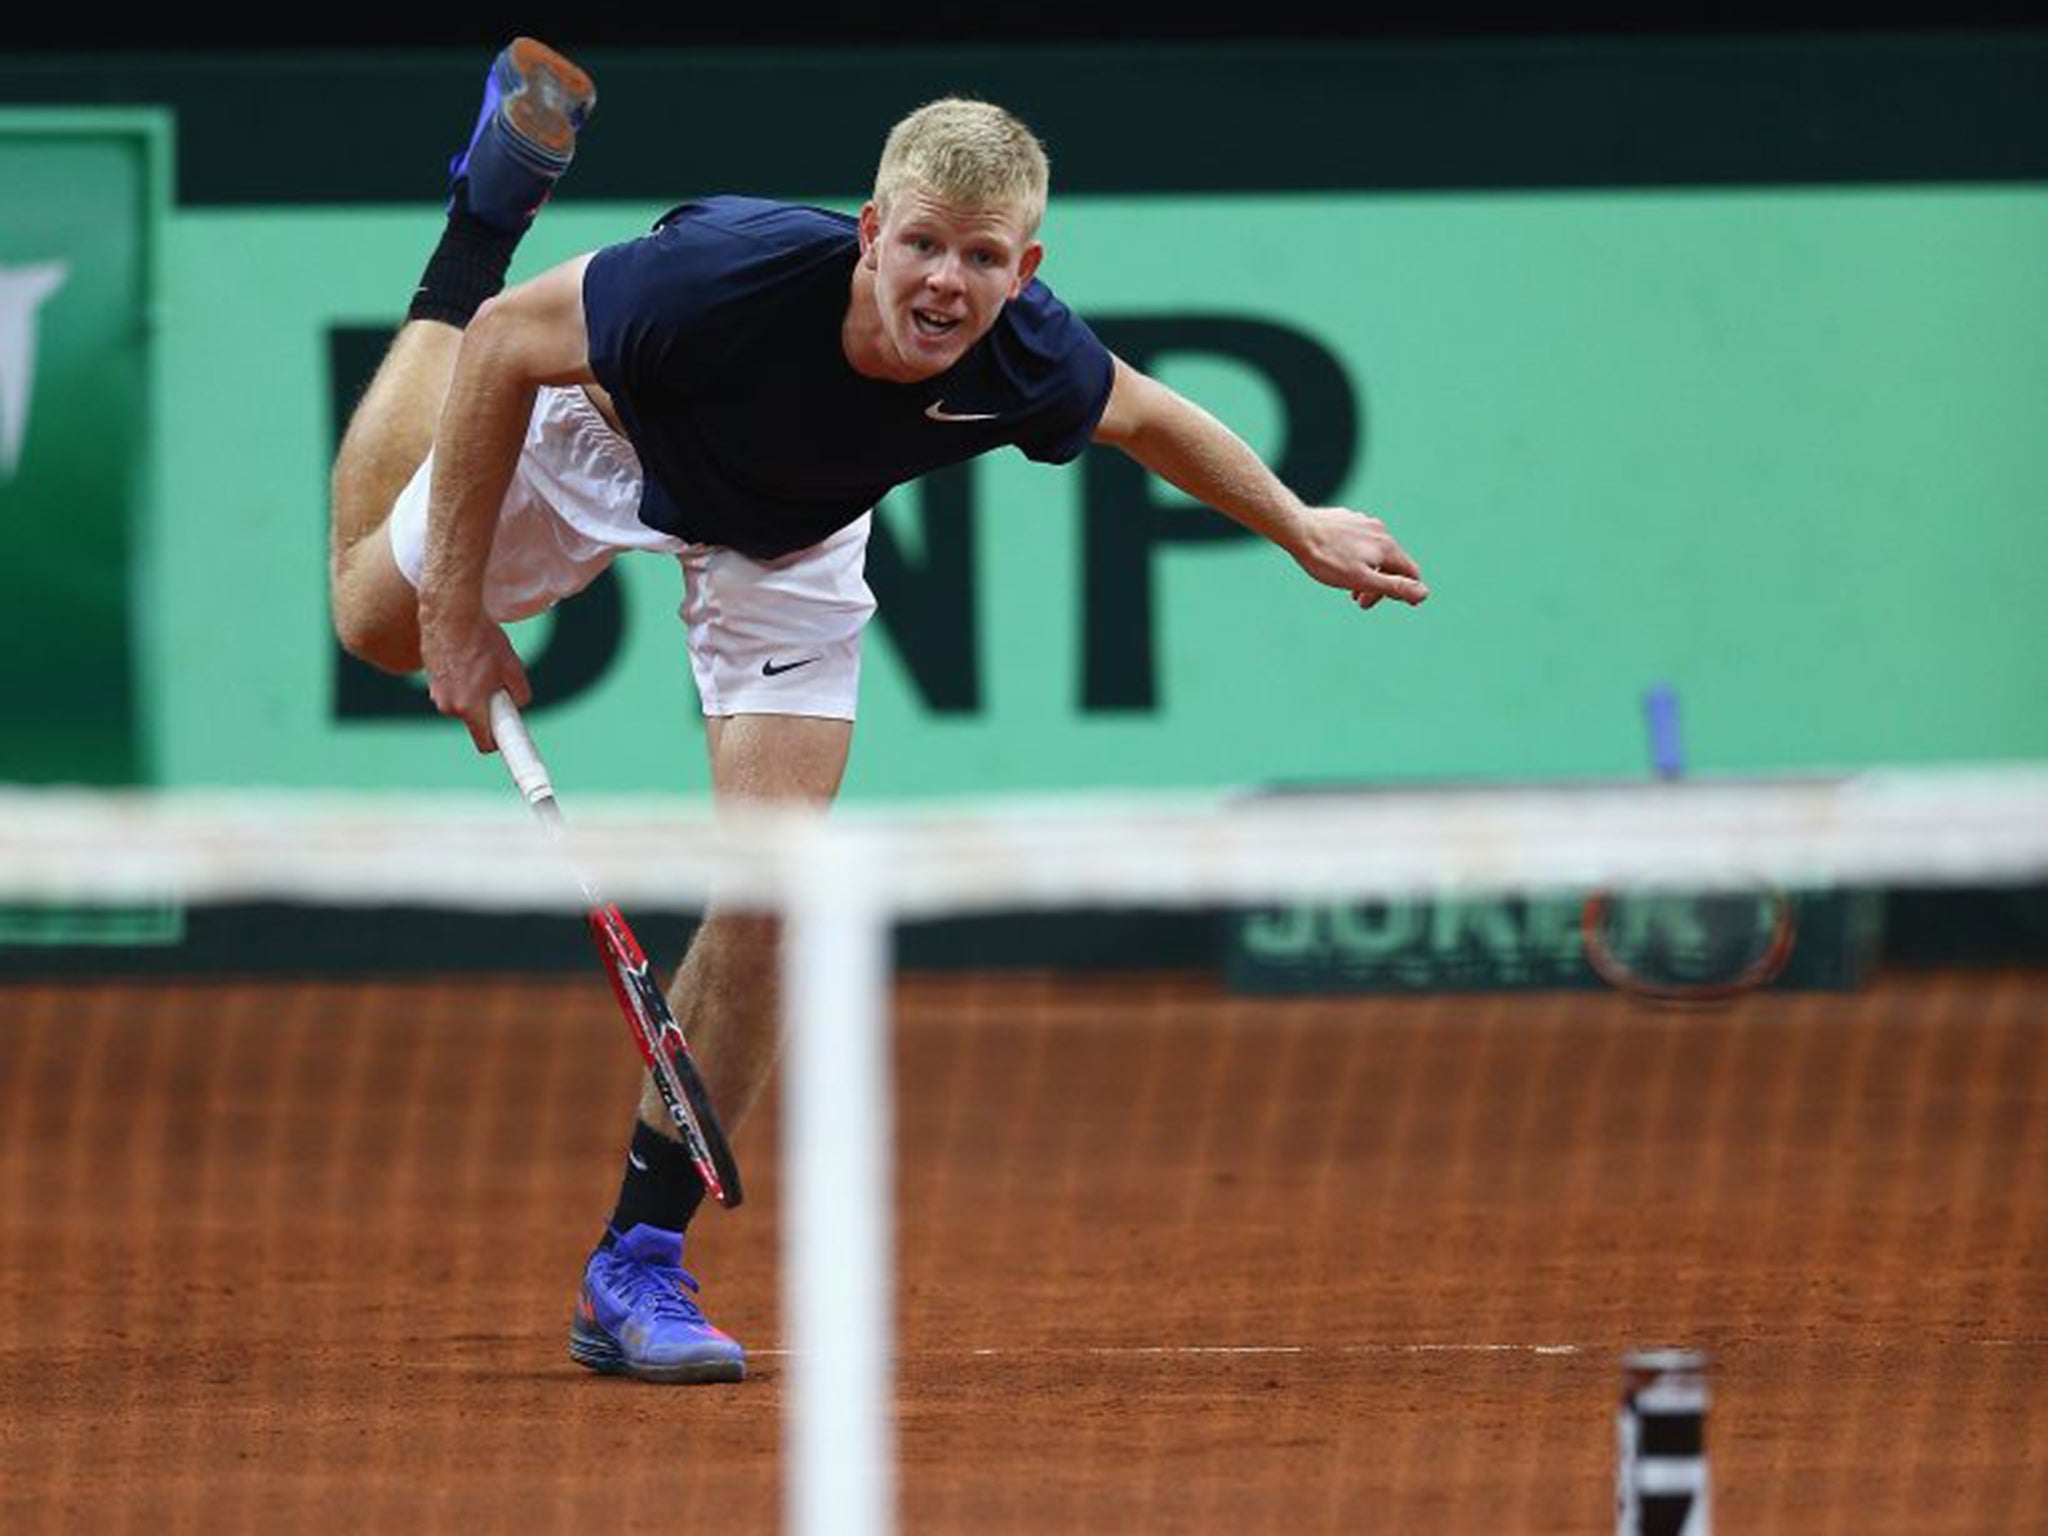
(661, 1188)
(467, 267)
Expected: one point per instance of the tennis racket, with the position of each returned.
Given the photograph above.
(655, 1030)
(1680, 948)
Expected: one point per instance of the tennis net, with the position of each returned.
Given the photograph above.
(1183, 1227)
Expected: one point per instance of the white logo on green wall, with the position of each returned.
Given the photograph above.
(22, 292)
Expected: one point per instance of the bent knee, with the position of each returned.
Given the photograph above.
(382, 646)
(375, 610)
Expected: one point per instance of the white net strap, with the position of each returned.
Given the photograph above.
(1934, 827)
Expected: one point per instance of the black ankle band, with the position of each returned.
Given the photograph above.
(467, 267)
(661, 1187)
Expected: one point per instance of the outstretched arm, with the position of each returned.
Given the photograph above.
(1183, 444)
(525, 337)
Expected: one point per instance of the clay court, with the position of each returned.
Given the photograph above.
(301, 1257)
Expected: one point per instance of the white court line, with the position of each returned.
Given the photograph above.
(1183, 1349)
(1157, 1350)
(1154, 1350)
(1485, 1349)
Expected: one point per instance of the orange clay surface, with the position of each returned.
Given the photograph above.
(300, 1258)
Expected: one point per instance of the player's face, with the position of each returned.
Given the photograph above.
(942, 275)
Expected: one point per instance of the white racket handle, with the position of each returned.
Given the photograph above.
(516, 747)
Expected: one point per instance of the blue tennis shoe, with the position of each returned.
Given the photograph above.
(535, 100)
(636, 1315)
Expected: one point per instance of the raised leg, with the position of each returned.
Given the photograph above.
(376, 612)
(534, 103)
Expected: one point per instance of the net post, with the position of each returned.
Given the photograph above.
(839, 1456)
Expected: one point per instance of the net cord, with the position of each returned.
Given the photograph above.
(1947, 827)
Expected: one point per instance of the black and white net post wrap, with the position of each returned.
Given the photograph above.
(1661, 1482)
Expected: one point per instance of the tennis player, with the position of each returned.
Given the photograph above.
(736, 390)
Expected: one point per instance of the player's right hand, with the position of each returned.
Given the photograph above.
(468, 660)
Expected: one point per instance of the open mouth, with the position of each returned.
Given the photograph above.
(930, 323)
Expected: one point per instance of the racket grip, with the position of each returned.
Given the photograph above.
(522, 761)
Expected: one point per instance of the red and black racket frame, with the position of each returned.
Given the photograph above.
(667, 1054)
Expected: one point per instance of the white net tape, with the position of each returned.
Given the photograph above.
(1929, 827)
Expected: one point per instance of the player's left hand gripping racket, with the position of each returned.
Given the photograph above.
(655, 1030)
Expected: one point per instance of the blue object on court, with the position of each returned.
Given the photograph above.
(534, 102)
(636, 1316)
(1660, 719)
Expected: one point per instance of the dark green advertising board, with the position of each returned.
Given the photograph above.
(82, 196)
(1525, 942)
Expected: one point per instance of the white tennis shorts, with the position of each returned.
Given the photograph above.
(777, 637)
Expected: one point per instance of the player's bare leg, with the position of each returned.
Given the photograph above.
(376, 612)
(534, 102)
(636, 1313)
(725, 994)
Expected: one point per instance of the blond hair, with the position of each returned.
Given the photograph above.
(971, 154)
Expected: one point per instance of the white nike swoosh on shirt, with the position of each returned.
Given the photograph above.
(938, 412)
(634, 1159)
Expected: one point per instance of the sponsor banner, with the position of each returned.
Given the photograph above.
(1778, 449)
(1521, 943)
